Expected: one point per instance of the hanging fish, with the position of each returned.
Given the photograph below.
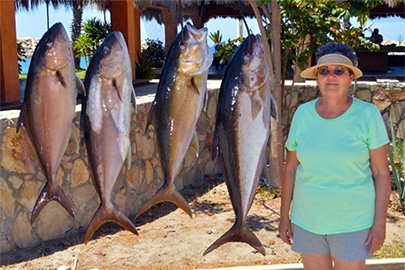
(177, 106)
(241, 132)
(48, 109)
(106, 118)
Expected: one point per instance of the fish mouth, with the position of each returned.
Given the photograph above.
(55, 48)
(197, 34)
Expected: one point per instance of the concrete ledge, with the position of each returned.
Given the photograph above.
(380, 264)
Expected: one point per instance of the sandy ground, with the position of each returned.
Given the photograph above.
(168, 239)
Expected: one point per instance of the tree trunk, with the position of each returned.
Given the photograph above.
(77, 26)
(276, 158)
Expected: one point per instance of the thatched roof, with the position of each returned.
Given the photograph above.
(206, 9)
(151, 9)
(390, 8)
(30, 4)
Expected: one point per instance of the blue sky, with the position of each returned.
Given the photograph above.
(33, 24)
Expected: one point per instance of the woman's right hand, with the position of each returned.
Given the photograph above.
(285, 230)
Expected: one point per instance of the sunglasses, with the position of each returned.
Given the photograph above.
(339, 71)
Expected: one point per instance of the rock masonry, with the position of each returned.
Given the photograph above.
(22, 178)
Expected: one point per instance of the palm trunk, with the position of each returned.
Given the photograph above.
(76, 26)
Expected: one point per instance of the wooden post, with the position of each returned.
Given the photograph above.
(9, 80)
(127, 21)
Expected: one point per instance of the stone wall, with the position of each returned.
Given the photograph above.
(22, 179)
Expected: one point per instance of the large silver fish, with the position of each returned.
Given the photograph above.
(48, 109)
(106, 118)
(177, 106)
(241, 133)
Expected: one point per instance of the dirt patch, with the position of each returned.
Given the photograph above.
(168, 239)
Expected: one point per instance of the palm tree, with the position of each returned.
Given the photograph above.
(77, 8)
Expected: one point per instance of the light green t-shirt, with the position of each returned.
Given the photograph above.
(334, 189)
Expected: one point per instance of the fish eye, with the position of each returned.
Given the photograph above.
(182, 46)
(106, 50)
(49, 42)
(246, 57)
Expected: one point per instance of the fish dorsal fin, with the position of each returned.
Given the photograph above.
(133, 98)
(205, 108)
(194, 85)
(151, 116)
(215, 145)
(257, 105)
(129, 154)
(80, 86)
(194, 144)
(74, 139)
(273, 108)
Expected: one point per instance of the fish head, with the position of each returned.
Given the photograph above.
(54, 50)
(112, 56)
(195, 57)
(254, 66)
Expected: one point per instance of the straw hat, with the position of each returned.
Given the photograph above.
(331, 59)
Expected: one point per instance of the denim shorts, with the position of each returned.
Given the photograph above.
(342, 246)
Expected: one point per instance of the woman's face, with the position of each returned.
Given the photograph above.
(334, 80)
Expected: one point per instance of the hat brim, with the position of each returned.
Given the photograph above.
(326, 60)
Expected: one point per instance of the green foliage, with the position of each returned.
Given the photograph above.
(144, 68)
(395, 250)
(155, 52)
(216, 37)
(225, 51)
(322, 21)
(21, 54)
(395, 150)
(93, 34)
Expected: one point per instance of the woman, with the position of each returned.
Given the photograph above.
(336, 173)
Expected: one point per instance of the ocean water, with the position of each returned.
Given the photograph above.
(25, 65)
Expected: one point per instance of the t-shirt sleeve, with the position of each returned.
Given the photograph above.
(292, 143)
(377, 135)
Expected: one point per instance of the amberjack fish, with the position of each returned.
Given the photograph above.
(105, 125)
(48, 109)
(177, 106)
(241, 132)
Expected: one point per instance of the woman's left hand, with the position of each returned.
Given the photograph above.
(376, 238)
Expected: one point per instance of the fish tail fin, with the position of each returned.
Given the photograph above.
(54, 193)
(167, 193)
(104, 214)
(238, 234)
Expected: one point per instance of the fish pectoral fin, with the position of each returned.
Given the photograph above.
(237, 234)
(80, 86)
(257, 106)
(151, 116)
(115, 84)
(195, 144)
(273, 108)
(167, 193)
(194, 86)
(60, 78)
(47, 195)
(102, 215)
(22, 119)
